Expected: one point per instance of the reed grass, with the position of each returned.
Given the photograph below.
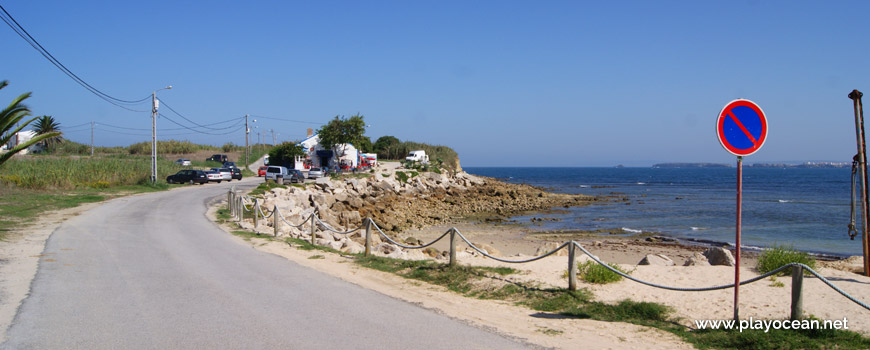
(67, 173)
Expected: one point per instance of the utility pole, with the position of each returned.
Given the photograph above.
(273, 137)
(247, 131)
(154, 105)
(92, 138)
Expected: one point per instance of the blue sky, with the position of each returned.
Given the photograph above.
(504, 83)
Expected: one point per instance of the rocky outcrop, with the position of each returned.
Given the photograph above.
(424, 199)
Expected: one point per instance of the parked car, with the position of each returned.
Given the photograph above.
(237, 173)
(183, 162)
(188, 176)
(214, 175)
(296, 176)
(226, 173)
(218, 158)
(261, 171)
(273, 172)
(314, 173)
(229, 165)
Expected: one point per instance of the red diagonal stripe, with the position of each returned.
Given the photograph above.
(737, 121)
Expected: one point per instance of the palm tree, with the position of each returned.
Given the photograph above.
(46, 124)
(9, 117)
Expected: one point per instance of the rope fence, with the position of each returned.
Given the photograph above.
(237, 206)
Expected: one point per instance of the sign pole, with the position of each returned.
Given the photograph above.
(742, 129)
(737, 240)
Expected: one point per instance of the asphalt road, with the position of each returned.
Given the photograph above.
(151, 271)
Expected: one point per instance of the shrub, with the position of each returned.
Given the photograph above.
(593, 272)
(402, 176)
(777, 256)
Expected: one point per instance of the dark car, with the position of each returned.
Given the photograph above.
(295, 176)
(218, 158)
(188, 176)
(229, 164)
(237, 173)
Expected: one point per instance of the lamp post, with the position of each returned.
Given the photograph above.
(154, 105)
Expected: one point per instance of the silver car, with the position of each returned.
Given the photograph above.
(183, 162)
(226, 174)
(315, 173)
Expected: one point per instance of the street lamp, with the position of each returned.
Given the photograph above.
(154, 105)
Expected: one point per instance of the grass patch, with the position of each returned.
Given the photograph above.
(777, 256)
(775, 339)
(247, 235)
(318, 256)
(594, 272)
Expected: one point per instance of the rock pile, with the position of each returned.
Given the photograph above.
(424, 199)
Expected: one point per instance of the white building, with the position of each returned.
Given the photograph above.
(21, 137)
(317, 156)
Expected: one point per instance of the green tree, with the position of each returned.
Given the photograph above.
(365, 145)
(285, 154)
(386, 147)
(45, 125)
(9, 117)
(341, 131)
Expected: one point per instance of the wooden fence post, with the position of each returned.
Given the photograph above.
(572, 267)
(368, 236)
(452, 247)
(256, 214)
(230, 201)
(275, 219)
(313, 223)
(241, 204)
(797, 282)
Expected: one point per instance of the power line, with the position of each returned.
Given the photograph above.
(191, 121)
(198, 131)
(238, 121)
(286, 120)
(39, 48)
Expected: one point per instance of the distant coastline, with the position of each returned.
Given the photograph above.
(756, 165)
(691, 165)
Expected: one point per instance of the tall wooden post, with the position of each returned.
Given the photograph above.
(275, 221)
(856, 95)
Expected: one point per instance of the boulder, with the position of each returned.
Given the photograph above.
(719, 256)
(656, 259)
(488, 249)
(697, 259)
(352, 247)
(549, 247)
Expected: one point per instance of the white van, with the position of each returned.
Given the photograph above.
(275, 171)
(418, 156)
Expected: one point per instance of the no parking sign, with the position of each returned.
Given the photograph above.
(741, 127)
(742, 130)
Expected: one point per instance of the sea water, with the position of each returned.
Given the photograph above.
(806, 208)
